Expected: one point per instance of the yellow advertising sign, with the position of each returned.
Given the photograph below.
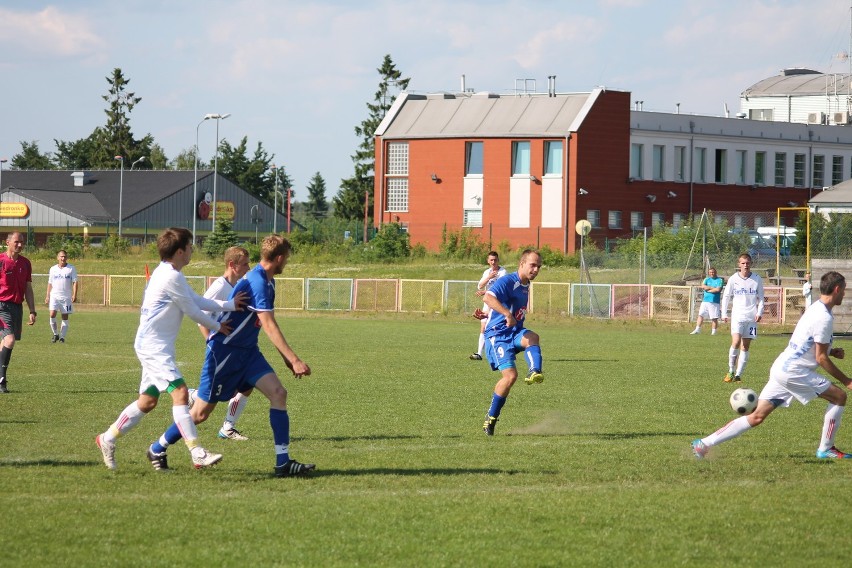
(14, 210)
(225, 210)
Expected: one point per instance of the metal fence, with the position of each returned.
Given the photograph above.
(552, 299)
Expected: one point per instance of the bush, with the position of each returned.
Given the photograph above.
(112, 247)
(462, 245)
(390, 243)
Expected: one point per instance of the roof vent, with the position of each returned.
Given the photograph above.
(799, 71)
(80, 178)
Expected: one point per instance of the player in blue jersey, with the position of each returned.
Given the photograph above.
(505, 334)
(234, 362)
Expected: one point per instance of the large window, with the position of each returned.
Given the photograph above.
(659, 163)
(397, 194)
(680, 163)
(799, 161)
(658, 218)
(700, 165)
(637, 220)
(780, 169)
(473, 217)
(553, 158)
(741, 167)
(636, 151)
(836, 169)
(397, 159)
(520, 158)
(473, 158)
(593, 216)
(677, 220)
(720, 171)
(615, 219)
(760, 168)
(819, 171)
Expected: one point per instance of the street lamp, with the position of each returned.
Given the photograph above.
(120, 192)
(2, 161)
(275, 207)
(142, 159)
(195, 178)
(218, 117)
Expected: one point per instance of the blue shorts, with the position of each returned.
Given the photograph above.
(227, 370)
(500, 350)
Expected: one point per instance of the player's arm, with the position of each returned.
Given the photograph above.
(73, 285)
(273, 332)
(47, 294)
(823, 351)
(761, 300)
(496, 305)
(726, 297)
(30, 297)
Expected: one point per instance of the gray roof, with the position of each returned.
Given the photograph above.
(799, 82)
(482, 115)
(98, 199)
(836, 195)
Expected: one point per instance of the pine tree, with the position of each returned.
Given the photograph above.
(31, 158)
(352, 189)
(316, 206)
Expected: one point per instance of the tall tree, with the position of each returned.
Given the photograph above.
(31, 158)
(253, 175)
(365, 155)
(316, 206)
(185, 160)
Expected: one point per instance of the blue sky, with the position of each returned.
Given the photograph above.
(296, 75)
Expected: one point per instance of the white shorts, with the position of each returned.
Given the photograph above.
(710, 310)
(785, 388)
(159, 370)
(61, 305)
(747, 329)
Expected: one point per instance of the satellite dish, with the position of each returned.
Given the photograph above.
(583, 227)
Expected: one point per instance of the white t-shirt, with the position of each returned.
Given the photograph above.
(807, 288)
(745, 296)
(61, 280)
(220, 289)
(167, 298)
(799, 358)
(487, 280)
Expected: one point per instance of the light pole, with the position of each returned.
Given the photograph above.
(275, 207)
(120, 192)
(2, 161)
(218, 117)
(195, 178)
(142, 159)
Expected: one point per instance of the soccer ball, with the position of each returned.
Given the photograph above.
(743, 401)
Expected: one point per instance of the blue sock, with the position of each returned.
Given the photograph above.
(280, 422)
(497, 403)
(533, 355)
(172, 435)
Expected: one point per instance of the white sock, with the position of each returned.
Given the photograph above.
(235, 409)
(127, 421)
(732, 429)
(185, 425)
(52, 325)
(63, 329)
(833, 414)
(732, 358)
(713, 332)
(481, 343)
(741, 364)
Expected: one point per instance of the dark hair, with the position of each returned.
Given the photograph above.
(830, 281)
(274, 245)
(744, 255)
(172, 240)
(494, 254)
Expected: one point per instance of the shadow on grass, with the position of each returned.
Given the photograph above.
(367, 438)
(47, 462)
(578, 360)
(19, 422)
(416, 472)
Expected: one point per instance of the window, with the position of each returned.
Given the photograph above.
(760, 168)
(819, 171)
(593, 216)
(758, 222)
(397, 194)
(780, 169)
(836, 169)
(720, 172)
(760, 114)
(677, 220)
(637, 220)
(738, 221)
(397, 159)
(473, 158)
(520, 158)
(658, 218)
(680, 163)
(658, 162)
(553, 158)
(741, 167)
(615, 219)
(700, 165)
(718, 218)
(636, 161)
(473, 217)
(799, 170)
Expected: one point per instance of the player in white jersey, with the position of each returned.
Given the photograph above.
(489, 276)
(793, 375)
(744, 291)
(236, 266)
(167, 298)
(61, 294)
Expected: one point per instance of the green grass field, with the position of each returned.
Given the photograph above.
(590, 468)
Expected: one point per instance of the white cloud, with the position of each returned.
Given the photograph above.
(50, 32)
